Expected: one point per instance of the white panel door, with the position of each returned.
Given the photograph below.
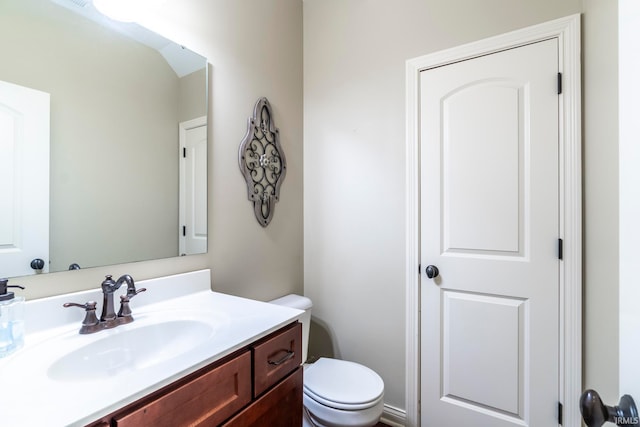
(193, 187)
(489, 223)
(24, 179)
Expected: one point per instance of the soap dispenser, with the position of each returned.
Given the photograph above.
(11, 319)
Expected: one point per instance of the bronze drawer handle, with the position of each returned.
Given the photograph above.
(286, 357)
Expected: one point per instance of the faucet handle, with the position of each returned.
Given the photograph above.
(90, 322)
(125, 310)
(90, 305)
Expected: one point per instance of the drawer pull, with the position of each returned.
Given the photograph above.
(283, 359)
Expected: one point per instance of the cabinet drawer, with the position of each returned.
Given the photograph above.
(279, 407)
(207, 400)
(275, 357)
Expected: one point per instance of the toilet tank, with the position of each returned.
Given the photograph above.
(301, 303)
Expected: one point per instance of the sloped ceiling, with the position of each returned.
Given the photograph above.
(182, 60)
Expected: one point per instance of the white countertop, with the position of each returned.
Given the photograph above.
(32, 396)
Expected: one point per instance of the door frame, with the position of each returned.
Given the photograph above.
(567, 31)
(629, 234)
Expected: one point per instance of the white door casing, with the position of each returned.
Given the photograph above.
(489, 222)
(629, 155)
(24, 179)
(567, 33)
(193, 187)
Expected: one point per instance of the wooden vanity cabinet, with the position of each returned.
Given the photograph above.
(260, 385)
(279, 407)
(206, 400)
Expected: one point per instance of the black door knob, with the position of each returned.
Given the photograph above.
(595, 413)
(432, 271)
(37, 264)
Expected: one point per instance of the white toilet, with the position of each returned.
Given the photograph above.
(337, 393)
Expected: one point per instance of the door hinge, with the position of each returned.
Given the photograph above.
(559, 413)
(184, 230)
(559, 83)
(419, 268)
(184, 152)
(560, 248)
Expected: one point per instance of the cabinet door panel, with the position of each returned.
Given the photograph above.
(207, 400)
(279, 407)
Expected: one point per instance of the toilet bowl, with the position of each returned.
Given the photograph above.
(336, 393)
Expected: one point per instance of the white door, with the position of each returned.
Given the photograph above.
(24, 179)
(490, 224)
(193, 187)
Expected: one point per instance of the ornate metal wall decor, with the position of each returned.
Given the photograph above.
(262, 161)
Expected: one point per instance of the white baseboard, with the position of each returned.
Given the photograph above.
(393, 417)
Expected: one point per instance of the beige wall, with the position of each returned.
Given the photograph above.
(192, 99)
(249, 60)
(354, 87)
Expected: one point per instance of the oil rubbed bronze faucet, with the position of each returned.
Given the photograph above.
(108, 318)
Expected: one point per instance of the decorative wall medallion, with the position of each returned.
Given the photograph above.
(262, 161)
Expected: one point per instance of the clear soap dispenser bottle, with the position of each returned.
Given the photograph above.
(11, 319)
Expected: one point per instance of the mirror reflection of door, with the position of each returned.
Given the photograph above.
(193, 187)
(24, 179)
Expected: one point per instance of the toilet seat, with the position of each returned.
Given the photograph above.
(342, 384)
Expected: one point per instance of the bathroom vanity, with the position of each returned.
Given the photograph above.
(191, 357)
(262, 384)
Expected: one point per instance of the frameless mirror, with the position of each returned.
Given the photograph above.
(116, 116)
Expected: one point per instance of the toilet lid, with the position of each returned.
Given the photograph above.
(343, 385)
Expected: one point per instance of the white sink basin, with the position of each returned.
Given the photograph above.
(130, 350)
(180, 326)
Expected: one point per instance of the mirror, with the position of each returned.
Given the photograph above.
(127, 119)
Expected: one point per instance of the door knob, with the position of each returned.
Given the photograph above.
(595, 413)
(37, 264)
(432, 271)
